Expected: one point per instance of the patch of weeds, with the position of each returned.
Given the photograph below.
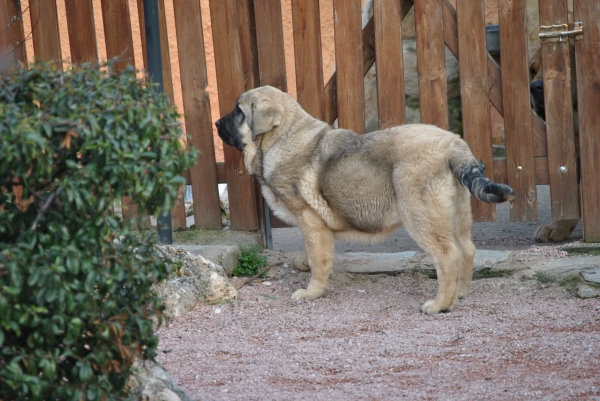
(477, 274)
(582, 250)
(492, 273)
(250, 261)
(571, 283)
(545, 278)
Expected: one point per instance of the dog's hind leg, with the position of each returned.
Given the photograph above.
(429, 222)
(319, 247)
(301, 261)
(463, 221)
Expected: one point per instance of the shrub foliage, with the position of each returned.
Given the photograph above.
(76, 305)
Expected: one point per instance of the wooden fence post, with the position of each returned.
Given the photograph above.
(44, 24)
(230, 80)
(387, 17)
(474, 92)
(517, 109)
(431, 63)
(562, 162)
(82, 35)
(196, 105)
(309, 61)
(348, 53)
(587, 55)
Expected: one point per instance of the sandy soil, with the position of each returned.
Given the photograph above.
(511, 338)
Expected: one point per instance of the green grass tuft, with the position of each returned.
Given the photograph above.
(250, 261)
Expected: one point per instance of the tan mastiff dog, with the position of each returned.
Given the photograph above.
(333, 183)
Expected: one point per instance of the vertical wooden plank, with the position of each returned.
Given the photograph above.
(230, 81)
(348, 52)
(368, 58)
(587, 55)
(248, 46)
(178, 218)
(495, 79)
(309, 60)
(247, 28)
(119, 43)
(517, 109)
(12, 51)
(12, 39)
(474, 92)
(82, 32)
(390, 65)
(196, 104)
(562, 160)
(44, 24)
(431, 63)
(117, 32)
(269, 42)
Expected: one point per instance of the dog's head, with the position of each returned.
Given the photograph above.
(257, 111)
(536, 88)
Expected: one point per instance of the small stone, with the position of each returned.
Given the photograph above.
(267, 283)
(588, 291)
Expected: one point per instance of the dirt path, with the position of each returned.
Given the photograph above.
(511, 338)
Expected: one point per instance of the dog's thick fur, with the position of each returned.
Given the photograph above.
(333, 183)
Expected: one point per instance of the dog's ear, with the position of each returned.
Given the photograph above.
(266, 115)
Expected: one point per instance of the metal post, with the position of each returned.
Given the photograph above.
(153, 51)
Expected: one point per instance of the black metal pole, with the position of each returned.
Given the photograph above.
(153, 51)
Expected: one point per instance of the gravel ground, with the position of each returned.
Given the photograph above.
(511, 338)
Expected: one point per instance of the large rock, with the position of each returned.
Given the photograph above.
(151, 382)
(200, 282)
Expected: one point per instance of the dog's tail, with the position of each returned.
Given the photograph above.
(469, 173)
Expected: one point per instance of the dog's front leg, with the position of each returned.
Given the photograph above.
(319, 246)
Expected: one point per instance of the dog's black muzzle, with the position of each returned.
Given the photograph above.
(537, 97)
(228, 131)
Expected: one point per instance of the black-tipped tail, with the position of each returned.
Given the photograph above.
(472, 177)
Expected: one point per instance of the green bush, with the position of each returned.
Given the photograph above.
(250, 261)
(76, 305)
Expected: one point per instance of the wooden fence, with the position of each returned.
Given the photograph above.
(249, 50)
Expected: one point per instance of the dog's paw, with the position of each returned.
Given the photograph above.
(302, 293)
(558, 230)
(300, 264)
(432, 307)
(462, 293)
